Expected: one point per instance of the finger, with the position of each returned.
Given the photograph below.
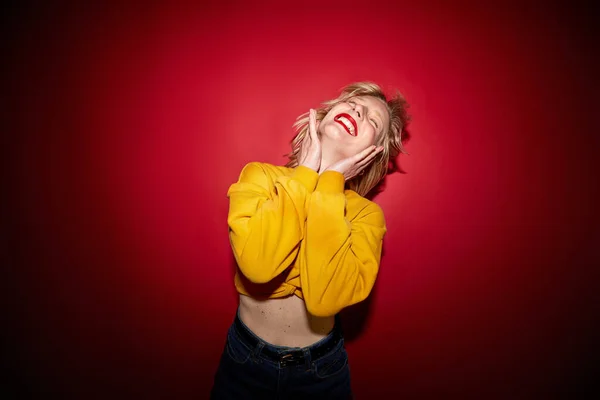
(363, 154)
(361, 160)
(304, 147)
(363, 165)
(369, 158)
(312, 124)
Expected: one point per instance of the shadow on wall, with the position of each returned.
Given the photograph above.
(355, 318)
(393, 167)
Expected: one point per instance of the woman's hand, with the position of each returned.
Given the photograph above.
(353, 166)
(310, 152)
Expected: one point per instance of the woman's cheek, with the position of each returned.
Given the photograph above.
(369, 135)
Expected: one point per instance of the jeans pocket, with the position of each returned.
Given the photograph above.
(237, 351)
(332, 364)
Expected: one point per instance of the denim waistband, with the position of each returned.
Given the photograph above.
(284, 355)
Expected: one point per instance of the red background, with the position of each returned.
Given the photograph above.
(126, 126)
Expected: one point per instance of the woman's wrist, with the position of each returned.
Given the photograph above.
(331, 181)
(306, 176)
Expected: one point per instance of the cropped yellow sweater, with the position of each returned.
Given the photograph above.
(294, 231)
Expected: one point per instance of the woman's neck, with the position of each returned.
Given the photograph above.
(328, 158)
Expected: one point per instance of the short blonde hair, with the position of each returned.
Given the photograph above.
(391, 138)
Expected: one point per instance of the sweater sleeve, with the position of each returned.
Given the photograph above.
(341, 257)
(267, 219)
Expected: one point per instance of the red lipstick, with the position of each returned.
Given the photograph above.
(350, 119)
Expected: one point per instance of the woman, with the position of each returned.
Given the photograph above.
(308, 244)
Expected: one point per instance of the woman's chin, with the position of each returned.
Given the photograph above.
(335, 135)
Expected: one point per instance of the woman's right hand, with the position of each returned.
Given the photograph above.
(310, 151)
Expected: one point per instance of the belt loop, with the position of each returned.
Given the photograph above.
(307, 358)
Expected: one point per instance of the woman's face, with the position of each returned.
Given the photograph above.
(354, 125)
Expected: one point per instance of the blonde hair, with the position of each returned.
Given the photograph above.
(390, 139)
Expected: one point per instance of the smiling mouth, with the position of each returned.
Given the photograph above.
(348, 123)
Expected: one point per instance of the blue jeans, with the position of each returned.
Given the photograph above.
(251, 368)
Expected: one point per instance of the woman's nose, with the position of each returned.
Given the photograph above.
(359, 110)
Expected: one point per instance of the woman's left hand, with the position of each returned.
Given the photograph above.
(353, 166)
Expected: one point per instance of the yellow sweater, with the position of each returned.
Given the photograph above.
(294, 231)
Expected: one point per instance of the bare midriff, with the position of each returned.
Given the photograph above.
(284, 321)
